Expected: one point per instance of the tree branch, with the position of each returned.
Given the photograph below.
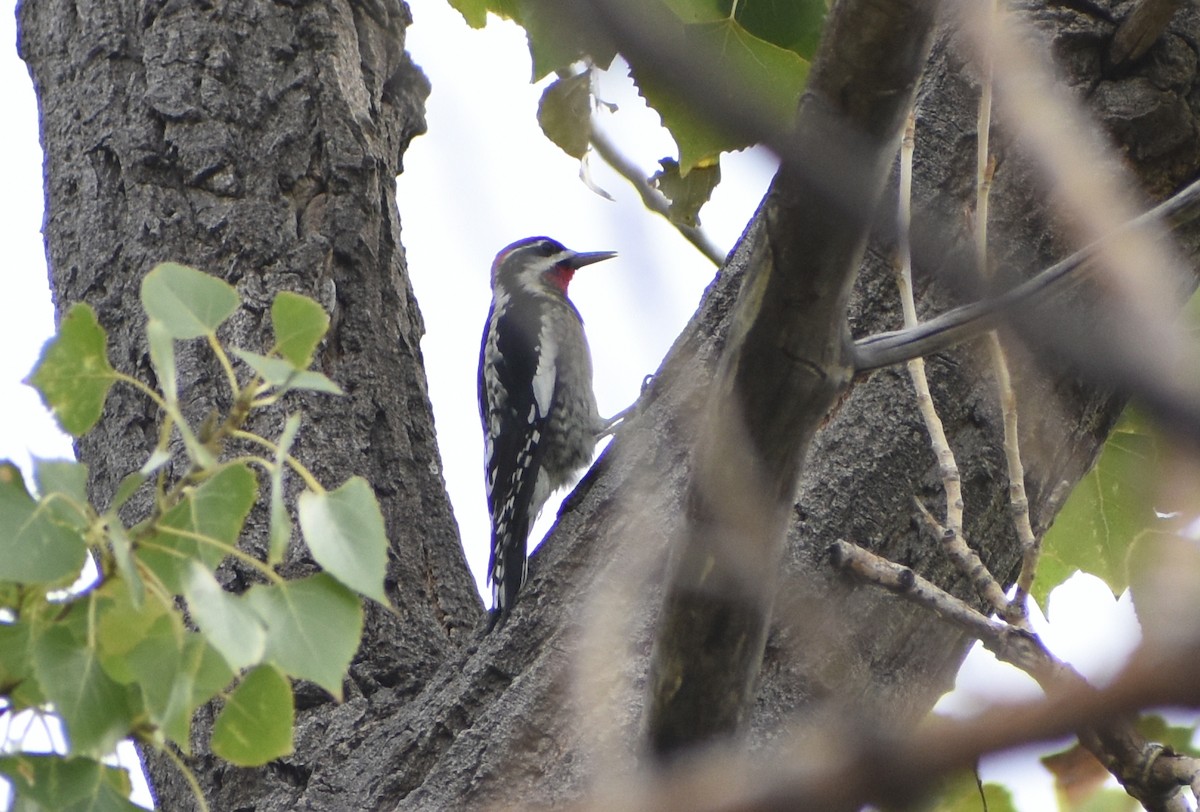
(972, 320)
(782, 369)
(1115, 742)
(851, 768)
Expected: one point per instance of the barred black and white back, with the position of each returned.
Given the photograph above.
(536, 401)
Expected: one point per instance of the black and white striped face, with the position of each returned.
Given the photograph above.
(528, 258)
(540, 264)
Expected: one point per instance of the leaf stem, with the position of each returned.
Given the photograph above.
(226, 364)
(296, 465)
(227, 549)
(139, 385)
(188, 776)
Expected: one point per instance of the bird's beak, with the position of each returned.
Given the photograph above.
(587, 258)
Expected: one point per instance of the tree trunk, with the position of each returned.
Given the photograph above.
(259, 141)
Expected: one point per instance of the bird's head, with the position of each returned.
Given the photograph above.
(537, 262)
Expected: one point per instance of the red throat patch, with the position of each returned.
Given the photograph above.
(561, 275)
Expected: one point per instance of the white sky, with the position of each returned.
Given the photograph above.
(482, 177)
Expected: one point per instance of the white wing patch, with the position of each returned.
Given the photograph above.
(547, 370)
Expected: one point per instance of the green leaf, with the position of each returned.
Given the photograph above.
(565, 113)
(127, 488)
(189, 303)
(473, 11)
(96, 711)
(255, 726)
(313, 628)
(157, 665)
(122, 547)
(162, 358)
(62, 486)
(210, 673)
(73, 375)
(1177, 737)
(687, 194)
(215, 512)
(57, 784)
(344, 531)
(300, 324)
(129, 485)
(121, 624)
(227, 622)
(281, 522)
(775, 75)
(63, 477)
(1104, 515)
(20, 685)
(148, 648)
(555, 42)
(961, 793)
(285, 375)
(157, 459)
(795, 26)
(699, 11)
(36, 545)
(196, 450)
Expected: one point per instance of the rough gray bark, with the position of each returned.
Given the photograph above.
(259, 141)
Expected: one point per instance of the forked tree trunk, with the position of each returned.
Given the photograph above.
(259, 141)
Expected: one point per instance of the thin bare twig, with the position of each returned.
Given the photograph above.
(1015, 611)
(653, 199)
(1015, 646)
(965, 559)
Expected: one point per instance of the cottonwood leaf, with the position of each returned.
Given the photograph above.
(229, 624)
(96, 711)
(299, 324)
(203, 526)
(255, 726)
(188, 302)
(565, 114)
(772, 76)
(1104, 515)
(313, 628)
(344, 530)
(56, 784)
(36, 544)
(284, 375)
(280, 521)
(73, 375)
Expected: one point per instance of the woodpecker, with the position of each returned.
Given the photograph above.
(540, 421)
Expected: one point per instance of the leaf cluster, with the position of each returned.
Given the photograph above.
(763, 46)
(134, 648)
